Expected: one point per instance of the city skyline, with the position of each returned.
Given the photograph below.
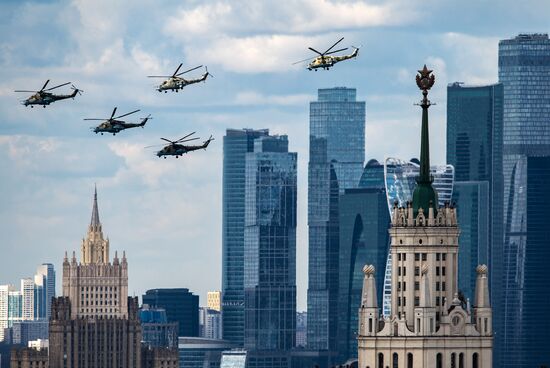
(50, 161)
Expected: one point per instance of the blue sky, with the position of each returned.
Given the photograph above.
(166, 214)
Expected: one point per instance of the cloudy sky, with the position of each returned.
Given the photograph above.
(166, 214)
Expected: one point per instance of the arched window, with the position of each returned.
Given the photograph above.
(461, 360)
(439, 361)
(474, 361)
(395, 359)
(409, 360)
(453, 360)
(380, 360)
(395, 330)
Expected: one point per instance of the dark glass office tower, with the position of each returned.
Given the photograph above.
(270, 251)
(474, 148)
(523, 334)
(336, 156)
(236, 144)
(473, 216)
(364, 239)
(181, 306)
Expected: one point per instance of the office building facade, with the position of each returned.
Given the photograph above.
(270, 248)
(214, 300)
(236, 143)
(336, 159)
(181, 306)
(156, 330)
(210, 323)
(523, 324)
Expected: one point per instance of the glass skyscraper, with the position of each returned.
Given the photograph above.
(474, 148)
(270, 248)
(336, 157)
(522, 319)
(364, 239)
(236, 144)
(400, 179)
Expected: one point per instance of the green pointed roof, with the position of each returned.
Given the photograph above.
(424, 195)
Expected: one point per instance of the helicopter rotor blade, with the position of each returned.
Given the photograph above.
(113, 114)
(177, 70)
(335, 51)
(301, 61)
(155, 145)
(61, 85)
(167, 140)
(208, 73)
(336, 43)
(19, 90)
(94, 119)
(159, 76)
(121, 116)
(312, 49)
(44, 86)
(187, 71)
(187, 140)
(188, 135)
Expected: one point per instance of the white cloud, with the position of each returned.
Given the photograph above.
(257, 98)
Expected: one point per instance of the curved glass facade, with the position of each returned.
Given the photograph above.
(400, 178)
(521, 315)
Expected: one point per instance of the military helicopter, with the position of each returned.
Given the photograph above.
(114, 126)
(177, 148)
(325, 61)
(43, 97)
(175, 82)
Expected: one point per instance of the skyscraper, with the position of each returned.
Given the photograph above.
(430, 325)
(474, 148)
(214, 300)
(181, 306)
(45, 277)
(364, 239)
(236, 143)
(336, 157)
(270, 251)
(95, 323)
(523, 324)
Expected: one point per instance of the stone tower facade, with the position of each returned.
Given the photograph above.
(432, 325)
(94, 323)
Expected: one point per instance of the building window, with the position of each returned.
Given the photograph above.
(398, 256)
(398, 271)
(380, 360)
(404, 301)
(443, 271)
(443, 256)
(398, 301)
(437, 256)
(395, 359)
(485, 324)
(439, 361)
(417, 271)
(404, 256)
(416, 301)
(474, 361)
(437, 286)
(461, 360)
(416, 285)
(409, 360)
(443, 286)
(417, 257)
(404, 286)
(370, 324)
(437, 301)
(453, 360)
(424, 256)
(398, 285)
(437, 271)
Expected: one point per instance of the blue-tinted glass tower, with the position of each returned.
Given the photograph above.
(181, 306)
(236, 144)
(523, 322)
(364, 239)
(336, 156)
(270, 251)
(474, 148)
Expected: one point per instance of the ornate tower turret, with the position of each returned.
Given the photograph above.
(95, 249)
(482, 310)
(368, 313)
(425, 311)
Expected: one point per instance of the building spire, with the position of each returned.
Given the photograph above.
(368, 299)
(95, 213)
(424, 195)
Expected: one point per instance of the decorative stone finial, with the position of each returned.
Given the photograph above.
(425, 269)
(368, 270)
(481, 269)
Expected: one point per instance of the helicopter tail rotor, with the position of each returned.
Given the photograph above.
(208, 73)
(77, 90)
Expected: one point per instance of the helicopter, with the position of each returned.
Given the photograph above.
(114, 126)
(325, 60)
(177, 148)
(43, 97)
(175, 82)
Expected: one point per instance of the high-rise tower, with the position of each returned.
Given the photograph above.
(336, 156)
(94, 323)
(236, 144)
(430, 325)
(522, 319)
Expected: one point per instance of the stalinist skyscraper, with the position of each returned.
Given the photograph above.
(94, 323)
(432, 325)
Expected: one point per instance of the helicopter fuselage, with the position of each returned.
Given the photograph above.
(175, 149)
(116, 126)
(177, 83)
(46, 98)
(326, 62)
